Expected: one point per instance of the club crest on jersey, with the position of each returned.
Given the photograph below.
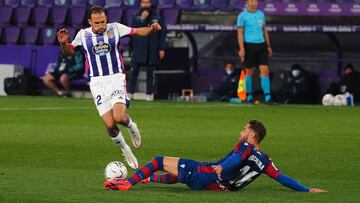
(101, 48)
(110, 34)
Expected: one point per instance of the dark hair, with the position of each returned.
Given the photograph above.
(349, 65)
(95, 9)
(259, 129)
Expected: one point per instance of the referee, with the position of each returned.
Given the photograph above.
(255, 48)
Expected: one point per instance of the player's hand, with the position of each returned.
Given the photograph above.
(242, 55)
(269, 51)
(62, 36)
(316, 190)
(218, 170)
(145, 14)
(155, 26)
(161, 54)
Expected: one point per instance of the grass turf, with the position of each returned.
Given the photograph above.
(55, 150)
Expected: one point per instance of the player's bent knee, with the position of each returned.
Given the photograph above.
(120, 118)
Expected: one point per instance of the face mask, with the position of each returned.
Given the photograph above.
(229, 72)
(295, 73)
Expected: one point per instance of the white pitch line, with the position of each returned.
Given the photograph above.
(135, 107)
(43, 108)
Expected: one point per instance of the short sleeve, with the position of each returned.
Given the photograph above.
(263, 17)
(124, 30)
(240, 20)
(77, 41)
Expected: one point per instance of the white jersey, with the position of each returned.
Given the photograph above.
(102, 51)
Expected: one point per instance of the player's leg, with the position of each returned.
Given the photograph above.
(133, 79)
(150, 82)
(65, 82)
(164, 178)
(118, 139)
(123, 118)
(48, 80)
(250, 62)
(159, 163)
(264, 73)
(118, 99)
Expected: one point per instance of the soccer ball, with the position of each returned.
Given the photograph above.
(340, 100)
(328, 100)
(115, 170)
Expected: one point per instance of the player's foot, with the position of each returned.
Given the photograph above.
(135, 135)
(129, 157)
(146, 180)
(117, 184)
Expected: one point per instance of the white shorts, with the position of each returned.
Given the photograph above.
(108, 90)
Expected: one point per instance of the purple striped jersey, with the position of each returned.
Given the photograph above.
(102, 50)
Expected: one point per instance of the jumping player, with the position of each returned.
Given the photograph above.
(239, 168)
(108, 82)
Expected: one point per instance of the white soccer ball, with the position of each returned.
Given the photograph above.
(328, 100)
(340, 100)
(115, 170)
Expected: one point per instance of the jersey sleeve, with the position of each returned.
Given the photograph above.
(263, 17)
(77, 41)
(240, 21)
(271, 170)
(241, 152)
(281, 178)
(124, 30)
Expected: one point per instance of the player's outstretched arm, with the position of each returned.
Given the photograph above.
(293, 184)
(145, 31)
(63, 38)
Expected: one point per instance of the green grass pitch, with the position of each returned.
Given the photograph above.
(55, 149)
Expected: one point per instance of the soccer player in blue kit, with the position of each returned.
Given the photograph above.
(235, 171)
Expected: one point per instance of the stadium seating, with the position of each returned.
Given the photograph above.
(114, 14)
(48, 35)
(97, 3)
(12, 35)
(23, 14)
(171, 16)
(219, 4)
(72, 33)
(78, 12)
(30, 35)
(6, 13)
(202, 5)
(131, 3)
(236, 4)
(129, 13)
(113, 3)
(163, 4)
(184, 4)
(45, 3)
(59, 12)
(12, 3)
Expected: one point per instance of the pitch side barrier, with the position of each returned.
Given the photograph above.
(270, 28)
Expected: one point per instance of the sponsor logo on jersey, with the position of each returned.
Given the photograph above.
(101, 48)
(257, 161)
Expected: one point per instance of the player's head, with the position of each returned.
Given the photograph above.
(97, 19)
(145, 4)
(252, 4)
(254, 130)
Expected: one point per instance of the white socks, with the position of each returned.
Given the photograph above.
(119, 140)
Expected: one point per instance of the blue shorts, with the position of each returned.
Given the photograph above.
(195, 175)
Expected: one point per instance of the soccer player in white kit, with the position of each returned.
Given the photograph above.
(106, 70)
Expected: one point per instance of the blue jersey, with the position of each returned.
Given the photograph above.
(102, 51)
(253, 24)
(243, 165)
